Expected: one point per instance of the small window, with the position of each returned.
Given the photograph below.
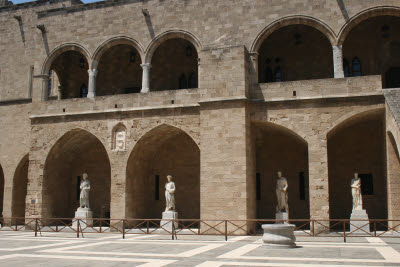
(83, 91)
(182, 82)
(50, 82)
(157, 187)
(258, 186)
(302, 186)
(346, 68)
(278, 74)
(192, 80)
(356, 64)
(269, 76)
(367, 184)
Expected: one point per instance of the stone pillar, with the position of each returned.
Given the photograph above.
(393, 180)
(253, 73)
(146, 77)
(226, 165)
(92, 83)
(338, 61)
(45, 87)
(59, 92)
(318, 181)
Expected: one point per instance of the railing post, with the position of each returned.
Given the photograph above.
(36, 227)
(226, 230)
(148, 227)
(375, 228)
(123, 229)
(77, 229)
(173, 229)
(344, 231)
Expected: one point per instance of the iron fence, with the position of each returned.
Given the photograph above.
(174, 227)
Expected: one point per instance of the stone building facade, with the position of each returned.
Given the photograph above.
(219, 94)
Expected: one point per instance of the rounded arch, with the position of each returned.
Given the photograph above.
(291, 132)
(117, 40)
(20, 184)
(364, 15)
(292, 20)
(75, 152)
(61, 49)
(171, 34)
(163, 150)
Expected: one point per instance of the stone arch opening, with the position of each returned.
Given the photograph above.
(280, 149)
(295, 52)
(20, 184)
(372, 47)
(1, 191)
(119, 70)
(76, 151)
(72, 72)
(358, 145)
(393, 178)
(170, 61)
(165, 150)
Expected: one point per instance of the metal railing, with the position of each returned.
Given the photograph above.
(308, 227)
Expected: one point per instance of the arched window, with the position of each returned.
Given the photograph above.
(192, 80)
(269, 76)
(278, 74)
(346, 68)
(83, 91)
(182, 82)
(50, 82)
(356, 67)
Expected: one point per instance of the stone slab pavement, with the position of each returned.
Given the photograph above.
(65, 249)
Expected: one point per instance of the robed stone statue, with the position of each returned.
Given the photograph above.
(356, 192)
(169, 194)
(85, 189)
(282, 194)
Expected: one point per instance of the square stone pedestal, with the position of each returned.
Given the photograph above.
(282, 216)
(364, 224)
(169, 215)
(86, 218)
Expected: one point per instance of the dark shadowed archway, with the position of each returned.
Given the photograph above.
(280, 149)
(162, 151)
(20, 184)
(76, 151)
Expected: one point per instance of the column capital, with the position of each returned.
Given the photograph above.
(145, 65)
(92, 72)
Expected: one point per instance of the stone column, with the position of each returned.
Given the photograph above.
(59, 92)
(146, 77)
(338, 61)
(92, 83)
(45, 87)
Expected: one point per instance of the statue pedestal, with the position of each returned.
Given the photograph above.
(279, 235)
(362, 225)
(165, 223)
(282, 216)
(86, 218)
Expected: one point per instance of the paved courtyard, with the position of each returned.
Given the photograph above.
(64, 249)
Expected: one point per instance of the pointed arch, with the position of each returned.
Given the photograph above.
(163, 150)
(171, 34)
(20, 184)
(364, 15)
(75, 152)
(292, 20)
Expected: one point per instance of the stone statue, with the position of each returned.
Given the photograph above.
(169, 194)
(85, 188)
(282, 194)
(356, 192)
